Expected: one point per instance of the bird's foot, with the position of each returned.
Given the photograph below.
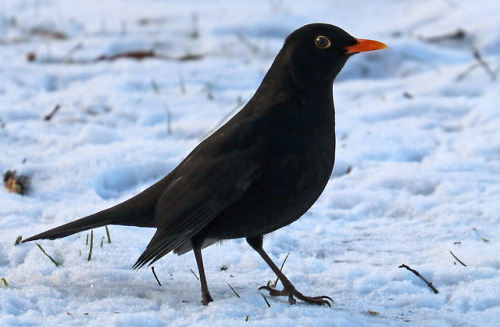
(292, 293)
(206, 298)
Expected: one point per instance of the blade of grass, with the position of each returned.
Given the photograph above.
(107, 234)
(91, 245)
(182, 84)
(4, 281)
(169, 119)
(265, 299)
(281, 269)
(155, 87)
(48, 256)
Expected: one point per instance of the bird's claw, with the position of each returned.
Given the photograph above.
(292, 293)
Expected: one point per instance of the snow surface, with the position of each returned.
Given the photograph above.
(417, 172)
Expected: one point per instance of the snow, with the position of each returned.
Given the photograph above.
(417, 173)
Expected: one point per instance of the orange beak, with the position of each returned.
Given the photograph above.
(364, 45)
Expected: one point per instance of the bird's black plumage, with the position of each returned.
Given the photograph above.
(260, 171)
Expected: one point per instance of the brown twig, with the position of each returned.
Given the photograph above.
(485, 65)
(466, 72)
(198, 278)
(67, 57)
(52, 113)
(139, 55)
(422, 278)
(143, 54)
(48, 33)
(154, 273)
(232, 289)
(458, 35)
(454, 256)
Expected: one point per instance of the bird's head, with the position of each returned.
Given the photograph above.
(317, 52)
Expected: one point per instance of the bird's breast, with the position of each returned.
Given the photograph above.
(295, 170)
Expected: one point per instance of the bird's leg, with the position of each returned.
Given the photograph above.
(288, 288)
(206, 298)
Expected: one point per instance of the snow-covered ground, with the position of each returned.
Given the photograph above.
(417, 172)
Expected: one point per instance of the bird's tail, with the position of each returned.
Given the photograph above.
(93, 221)
(137, 211)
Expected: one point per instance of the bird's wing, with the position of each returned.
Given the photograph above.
(211, 178)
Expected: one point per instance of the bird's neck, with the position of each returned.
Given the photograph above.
(282, 82)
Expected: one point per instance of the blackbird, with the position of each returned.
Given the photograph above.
(259, 172)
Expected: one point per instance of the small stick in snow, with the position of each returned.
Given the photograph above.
(232, 289)
(464, 74)
(169, 119)
(454, 256)
(145, 54)
(182, 84)
(458, 35)
(154, 85)
(422, 278)
(194, 274)
(138, 55)
(67, 57)
(485, 65)
(252, 46)
(154, 273)
(156, 90)
(52, 113)
(407, 95)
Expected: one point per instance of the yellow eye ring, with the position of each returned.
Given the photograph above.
(322, 42)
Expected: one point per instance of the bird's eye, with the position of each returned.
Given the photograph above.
(322, 42)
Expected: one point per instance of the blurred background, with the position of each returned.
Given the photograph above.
(99, 99)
